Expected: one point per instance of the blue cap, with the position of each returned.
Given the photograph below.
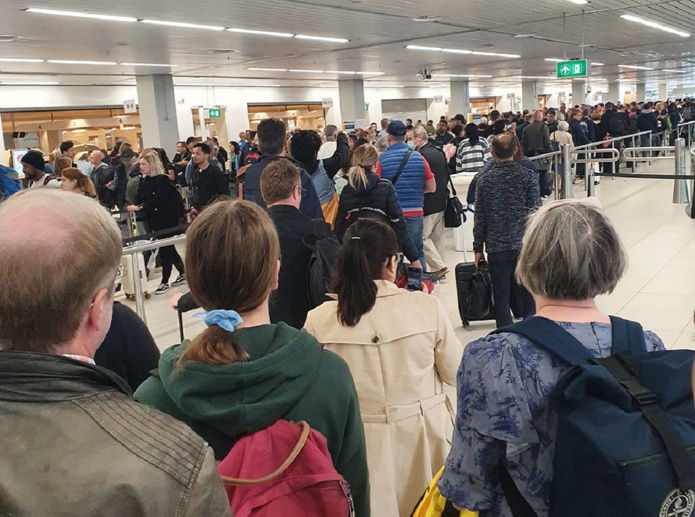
(396, 128)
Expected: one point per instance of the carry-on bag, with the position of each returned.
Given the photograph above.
(474, 290)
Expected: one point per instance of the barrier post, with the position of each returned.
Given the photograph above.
(590, 184)
(634, 163)
(137, 283)
(690, 209)
(680, 187)
(567, 191)
(554, 178)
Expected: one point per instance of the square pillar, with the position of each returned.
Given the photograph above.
(529, 95)
(157, 105)
(613, 92)
(663, 94)
(3, 152)
(641, 92)
(351, 95)
(578, 93)
(460, 98)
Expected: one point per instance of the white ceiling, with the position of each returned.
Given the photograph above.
(378, 30)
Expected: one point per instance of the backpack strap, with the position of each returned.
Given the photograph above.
(402, 167)
(282, 468)
(552, 338)
(320, 229)
(627, 336)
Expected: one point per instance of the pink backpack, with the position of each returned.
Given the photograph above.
(284, 469)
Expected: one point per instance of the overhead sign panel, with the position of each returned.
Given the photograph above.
(576, 68)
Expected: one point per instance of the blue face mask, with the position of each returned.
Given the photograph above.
(411, 146)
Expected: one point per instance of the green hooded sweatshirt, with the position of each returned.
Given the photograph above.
(288, 376)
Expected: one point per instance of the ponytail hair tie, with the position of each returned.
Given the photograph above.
(226, 320)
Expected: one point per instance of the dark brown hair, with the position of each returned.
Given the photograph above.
(367, 246)
(232, 250)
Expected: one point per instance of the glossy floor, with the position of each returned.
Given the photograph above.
(658, 290)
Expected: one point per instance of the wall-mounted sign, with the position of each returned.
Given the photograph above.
(130, 106)
(327, 102)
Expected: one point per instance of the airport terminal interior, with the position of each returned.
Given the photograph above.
(592, 102)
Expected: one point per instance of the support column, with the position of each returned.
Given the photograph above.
(613, 92)
(641, 92)
(529, 95)
(351, 95)
(663, 95)
(578, 93)
(157, 105)
(460, 98)
(3, 152)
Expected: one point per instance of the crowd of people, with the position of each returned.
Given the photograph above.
(365, 368)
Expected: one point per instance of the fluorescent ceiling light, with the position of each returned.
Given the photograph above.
(370, 73)
(73, 62)
(18, 60)
(183, 25)
(299, 71)
(596, 63)
(267, 69)
(655, 25)
(471, 76)
(553, 60)
(533, 77)
(635, 67)
(675, 71)
(82, 15)
(262, 33)
(461, 51)
(346, 72)
(29, 83)
(321, 38)
(579, 2)
(147, 64)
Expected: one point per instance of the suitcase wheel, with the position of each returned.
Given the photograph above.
(148, 296)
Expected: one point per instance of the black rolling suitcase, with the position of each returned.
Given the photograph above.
(474, 290)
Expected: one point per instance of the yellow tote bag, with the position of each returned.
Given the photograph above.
(433, 503)
(330, 210)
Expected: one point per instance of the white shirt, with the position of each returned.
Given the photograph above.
(327, 150)
(40, 183)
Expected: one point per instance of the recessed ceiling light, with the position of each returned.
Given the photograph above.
(183, 25)
(635, 67)
(29, 83)
(267, 69)
(73, 62)
(321, 38)
(426, 19)
(579, 2)
(147, 64)
(75, 14)
(262, 33)
(655, 25)
(19, 60)
(471, 76)
(461, 51)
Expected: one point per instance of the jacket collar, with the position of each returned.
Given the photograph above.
(386, 288)
(33, 377)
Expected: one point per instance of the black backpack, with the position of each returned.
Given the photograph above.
(617, 127)
(324, 247)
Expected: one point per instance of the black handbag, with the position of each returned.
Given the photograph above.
(455, 212)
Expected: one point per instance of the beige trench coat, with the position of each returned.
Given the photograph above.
(399, 355)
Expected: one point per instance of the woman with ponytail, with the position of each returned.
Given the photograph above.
(401, 349)
(243, 373)
(369, 196)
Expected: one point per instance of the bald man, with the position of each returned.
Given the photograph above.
(536, 138)
(73, 437)
(101, 176)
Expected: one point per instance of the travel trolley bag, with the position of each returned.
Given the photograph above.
(474, 290)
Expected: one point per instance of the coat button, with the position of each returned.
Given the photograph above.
(375, 339)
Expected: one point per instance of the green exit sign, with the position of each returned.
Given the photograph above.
(214, 113)
(577, 68)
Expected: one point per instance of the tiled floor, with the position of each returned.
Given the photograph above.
(658, 289)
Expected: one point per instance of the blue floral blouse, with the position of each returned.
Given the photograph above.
(502, 384)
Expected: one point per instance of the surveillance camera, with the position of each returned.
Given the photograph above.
(588, 89)
(425, 75)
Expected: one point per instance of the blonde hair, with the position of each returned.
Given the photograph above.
(563, 126)
(49, 276)
(232, 250)
(151, 156)
(364, 156)
(83, 183)
(571, 251)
